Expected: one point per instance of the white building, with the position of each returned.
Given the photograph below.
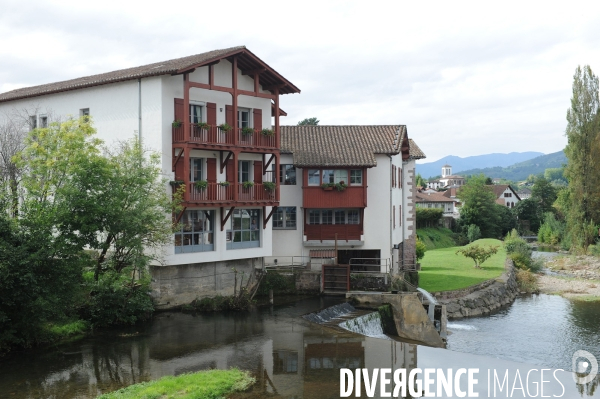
(447, 179)
(373, 217)
(505, 195)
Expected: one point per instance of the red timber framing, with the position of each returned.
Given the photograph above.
(315, 197)
(187, 137)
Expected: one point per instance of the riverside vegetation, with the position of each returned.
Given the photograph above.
(80, 221)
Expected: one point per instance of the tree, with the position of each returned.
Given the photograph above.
(544, 194)
(309, 122)
(488, 181)
(473, 233)
(582, 170)
(477, 253)
(528, 213)
(419, 181)
(479, 207)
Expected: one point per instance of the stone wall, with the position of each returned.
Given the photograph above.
(308, 281)
(484, 298)
(173, 286)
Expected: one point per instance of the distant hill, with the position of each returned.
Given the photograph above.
(520, 171)
(459, 164)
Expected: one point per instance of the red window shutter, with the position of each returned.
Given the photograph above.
(257, 118)
(394, 215)
(229, 115)
(399, 177)
(400, 215)
(393, 176)
(211, 170)
(258, 172)
(211, 114)
(229, 171)
(178, 109)
(179, 169)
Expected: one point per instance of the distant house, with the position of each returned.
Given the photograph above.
(437, 200)
(524, 193)
(505, 195)
(447, 179)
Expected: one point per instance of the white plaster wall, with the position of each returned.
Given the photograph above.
(289, 242)
(378, 212)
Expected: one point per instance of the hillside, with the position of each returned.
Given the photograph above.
(459, 164)
(521, 170)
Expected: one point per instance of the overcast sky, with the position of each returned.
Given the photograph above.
(466, 78)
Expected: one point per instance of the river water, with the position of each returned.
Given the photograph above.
(290, 357)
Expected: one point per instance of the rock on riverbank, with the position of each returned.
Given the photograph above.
(578, 276)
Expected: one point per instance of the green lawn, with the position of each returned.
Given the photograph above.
(210, 384)
(443, 270)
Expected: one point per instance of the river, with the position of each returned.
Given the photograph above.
(290, 357)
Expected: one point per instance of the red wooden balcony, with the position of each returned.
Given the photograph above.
(215, 193)
(216, 136)
(317, 197)
(321, 232)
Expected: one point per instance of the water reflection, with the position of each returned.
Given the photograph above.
(289, 356)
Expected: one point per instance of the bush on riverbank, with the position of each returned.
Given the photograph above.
(281, 284)
(520, 253)
(207, 384)
(526, 280)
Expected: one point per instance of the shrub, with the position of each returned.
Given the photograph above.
(473, 233)
(526, 281)
(270, 186)
(420, 249)
(514, 243)
(477, 253)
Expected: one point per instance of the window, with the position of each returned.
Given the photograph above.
(33, 122)
(43, 121)
(196, 166)
(84, 112)
(195, 233)
(313, 177)
(244, 229)
(196, 113)
(284, 217)
(243, 118)
(287, 174)
(333, 216)
(244, 171)
(507, 195)
(340, 175)
(328, 176)
(356, 177)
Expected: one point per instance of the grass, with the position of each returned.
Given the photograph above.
(586, 298)
(435, 238)
(443, 270)
(209, 384)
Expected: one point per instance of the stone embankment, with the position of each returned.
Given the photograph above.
(482, 299)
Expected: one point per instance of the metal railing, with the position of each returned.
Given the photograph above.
(370, 265)
(286, 262)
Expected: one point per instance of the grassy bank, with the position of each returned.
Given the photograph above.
(444, 270)
(435, 238)
(203, 384)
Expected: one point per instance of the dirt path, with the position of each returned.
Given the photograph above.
(578, 277)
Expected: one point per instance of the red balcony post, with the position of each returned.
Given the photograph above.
(186, 107)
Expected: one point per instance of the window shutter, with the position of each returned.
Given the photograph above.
(258, 172)
(257, 118)
(394, 215)
(400, 177)
(178, 109)
(229, 115)
(211, 114)
(211, 170)
(400, 215)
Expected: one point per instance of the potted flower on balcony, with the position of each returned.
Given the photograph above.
(248, 184)
(203, 125)
(176, 123)
(327, 186)
(247, 131)
(267, 132)
(201, 184)
(176, 183)
(269, 186)
(341, 186)
(224, 183)
(225, 127)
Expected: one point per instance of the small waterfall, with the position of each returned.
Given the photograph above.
(369, 325)
(427, 295)
(331, 312)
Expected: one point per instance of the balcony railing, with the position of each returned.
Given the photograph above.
(217, 193)
(215, 135)
(321, 232)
